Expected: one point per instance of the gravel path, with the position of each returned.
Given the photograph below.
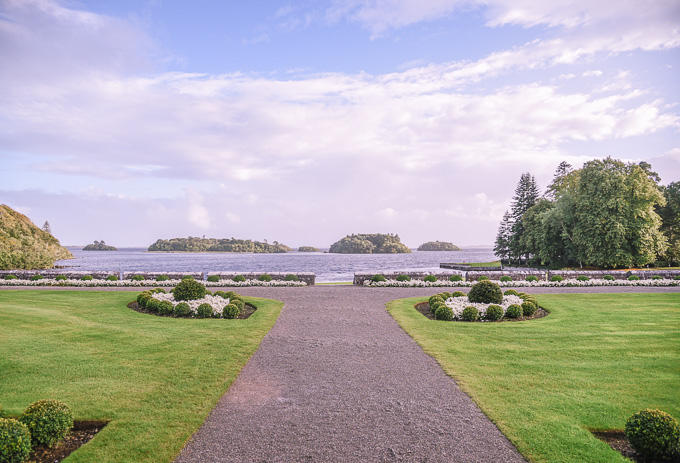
(337, 379)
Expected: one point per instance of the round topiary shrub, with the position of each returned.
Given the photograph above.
(435, 298)
(483, 278)
(528, 308)
(470, 314)
(265, 278)
(403, 278)
(435, 305)
(444, 312)
(494, 312)
(61, 278)
(48, 421)
(231, 311)
(165, 308)
(189, 290)
(486, 292)
(657, 277)
(221, 294)
(162, 278)
(36, 277)
(137, 278)
(86, 278)
(456, 278)
(608, 278)
(582, 278)
(677, 277)
(633, 278)
(238, 302)
(514, 311)
(505, 278)
(187, 277)
(445, 295)
(531, 278)
(511, 292)
(15, 441)
(239, 278)
(231, 294)
(291, 277)
(152, 304)
(112, 278)
(556, 278)
(182, 310)
(204, 311)
(10, 277)
(457, 294)
(430, 278)
(214, 278)
(378, 278)
(655, 435)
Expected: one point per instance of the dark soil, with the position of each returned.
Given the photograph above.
(246, 311)
(619, 442)
(81, 434)
(424, 308)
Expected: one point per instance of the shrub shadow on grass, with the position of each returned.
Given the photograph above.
(617, 440)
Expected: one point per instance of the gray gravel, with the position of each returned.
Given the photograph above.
(337, 379)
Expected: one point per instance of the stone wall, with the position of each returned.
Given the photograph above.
(648, 274)
(515, 275)
(592, 274)
(50, 273)
(307, 277)
(172, 275)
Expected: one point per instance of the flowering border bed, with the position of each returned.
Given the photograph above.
(143, 283)
(571, 282)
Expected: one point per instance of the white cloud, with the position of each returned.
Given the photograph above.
(197, 214)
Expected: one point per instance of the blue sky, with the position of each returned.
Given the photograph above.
(304, 121)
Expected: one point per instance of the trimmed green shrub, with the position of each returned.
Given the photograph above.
(189, 290)
(11, 277)
(470, 314)
(221, 294)
(86, 278)
(608, 277)
(556, 278)
(61, 278)
(403, 278)
(239, 278)
(231, 311)
(435, 305)
(514, 311)
(152, 305)
(506, 278)
(657, 277)
(677, 277)
(633, 278)
(36, 277)
(457, 294)
(187, 277)
(48, 421)
(445, 295)
(162, 278)
(377, 278)
(435, 297)
(486, 292)
(430, 278)
(231, 294)
(214, 278)
(291, 277)
(483, 278)
(137, 278)
(531, 278)
(494, 312)
(160, 290)
(444, 313)
(654, 434)
(456, 278)
(15, 441)
(511, 292)
(165, 308)
(529, 308)
(582, 278)
(265, 277)
(182, 310)
(204, 311)
(238, 302)
(112, 278)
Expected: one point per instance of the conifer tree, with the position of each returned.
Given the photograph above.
(46, 227)
(502, 245)
(526, 195)
(558, 182)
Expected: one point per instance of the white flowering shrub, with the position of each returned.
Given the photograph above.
(458, 304)
(142, 283)
(567, 282)
(218, 303)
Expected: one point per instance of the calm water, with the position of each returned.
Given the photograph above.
(327, 267)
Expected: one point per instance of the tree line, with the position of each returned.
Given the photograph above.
(607, 214)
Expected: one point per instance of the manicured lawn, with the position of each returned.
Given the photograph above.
(594, 361)
(156, 379)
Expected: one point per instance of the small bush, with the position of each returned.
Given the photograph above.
(654, 435)
(444, 312)
(291, 277)
(152, 305)
(435, 297)
(483, 278)
(48, 421)
(15, 441)
(239, 278)
(238, 302)
(112, 278)
(231, 294)
(556, 278)
(486, 292)
(657, 277)
(494, 312)
(445, 295)
(456, 278)
(532, 278)
(377, 278)
(506, 278)
(182, 310)
(160, 290)
(435, 305)
(265, 277)
(10, 277)
(36, 277)
(187, 277)
(677, 277)
(204, 311)
(86, 278)
(162, 278)
(403, 278)
(582, 278)
(189, 290)
(633, 278)
(457, 294)
(61, 278)
(165, 308)
(608, 278)
(511, 292)
(214, 278)
(514, 311)
(231, 311)
(221, 294)
(137, 278)
(470, 314)
(528, 308)
(430, 278)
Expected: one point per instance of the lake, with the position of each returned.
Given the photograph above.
(327, 267)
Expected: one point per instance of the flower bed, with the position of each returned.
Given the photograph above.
(143, 283)
(458, 304)
(570, 282)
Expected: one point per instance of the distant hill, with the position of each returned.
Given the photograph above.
(369, 244)
(99, 246)
(193, 244)
(308, 249)
(438, 246)
(24, 246)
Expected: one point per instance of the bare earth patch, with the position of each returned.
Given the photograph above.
(81, 434)
(619, 442)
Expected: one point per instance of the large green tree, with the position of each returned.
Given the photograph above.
(670, 217)
(526, 195)
(502, 245)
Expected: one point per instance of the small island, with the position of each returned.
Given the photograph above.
(99, 246)
(377, 243)
(308, 249)
(194, 244)
(438, 246)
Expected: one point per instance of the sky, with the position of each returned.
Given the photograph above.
(304, 121)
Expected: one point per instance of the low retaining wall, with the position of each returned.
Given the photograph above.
(73, 275)
(592, 274)
(172, 275)
(307, 277)
(647, 274)
(514, 275)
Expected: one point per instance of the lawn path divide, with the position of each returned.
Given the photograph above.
(336, 379)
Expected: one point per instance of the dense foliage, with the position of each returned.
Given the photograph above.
(15, 441)
(308, 249)
(194, 244)
(369, 244)
(189, 290)
(99, 246)
(438, 246)
(48, 421)
(486, 292)
(25, 246)
(670, 217)
(655, 435)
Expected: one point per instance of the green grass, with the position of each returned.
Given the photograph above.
(593, 362)
(156, 379)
